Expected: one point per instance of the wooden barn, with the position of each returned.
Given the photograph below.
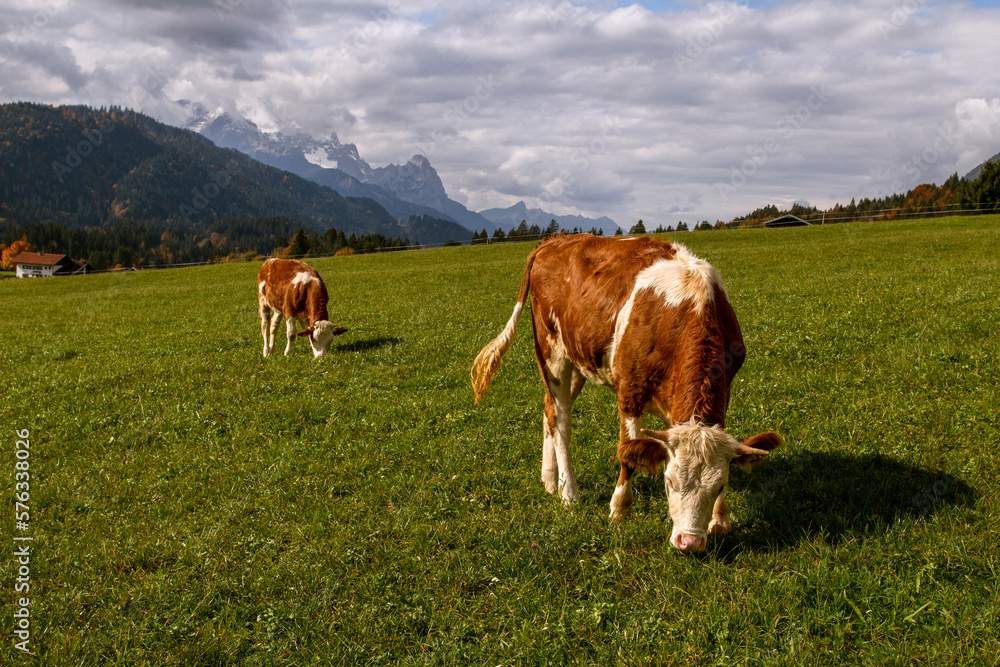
(787, 220)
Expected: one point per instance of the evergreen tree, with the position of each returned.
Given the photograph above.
(499, 236)
(638, 228)
(984, 192)
(123, 257)
(618, 232)
(300, 245)
(98, 260)
(553, 229)
(519, 233)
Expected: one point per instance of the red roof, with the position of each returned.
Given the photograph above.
(43, 258)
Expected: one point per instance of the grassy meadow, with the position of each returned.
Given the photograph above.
(193, 503)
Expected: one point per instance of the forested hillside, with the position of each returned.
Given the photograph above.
(92, 168)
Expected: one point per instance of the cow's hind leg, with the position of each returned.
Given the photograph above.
(557, 471)
(265, 326)
(550, 433)
(550, 467)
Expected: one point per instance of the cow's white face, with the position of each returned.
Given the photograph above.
(692, 488)
(697, 472)
(320, 336)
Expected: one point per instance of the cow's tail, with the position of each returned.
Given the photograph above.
(487, 363)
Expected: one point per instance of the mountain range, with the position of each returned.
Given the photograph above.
(85, 167)
(403, 190)
(512, 216)
(412, 188)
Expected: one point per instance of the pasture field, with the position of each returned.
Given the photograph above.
(192, 503)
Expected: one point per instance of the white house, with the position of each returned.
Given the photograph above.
(41, 264)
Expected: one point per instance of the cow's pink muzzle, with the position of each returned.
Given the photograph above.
(690, 544)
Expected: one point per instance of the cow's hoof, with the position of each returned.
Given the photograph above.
(619, 516)
(570, 500)
(720, 528)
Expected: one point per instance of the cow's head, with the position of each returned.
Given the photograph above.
(697, 460)
(320, 336)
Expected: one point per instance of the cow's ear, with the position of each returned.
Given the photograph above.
(305, 332)
(642, 454)
(751, 451)
(339, 330)
(662, 436)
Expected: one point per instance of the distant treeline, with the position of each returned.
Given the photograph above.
(956, 196)
(524, 232)
(141, 244)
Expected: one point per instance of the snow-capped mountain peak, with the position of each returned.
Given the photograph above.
(407, 189)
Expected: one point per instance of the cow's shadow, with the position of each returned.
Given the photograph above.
(368, 344)
(837, 496)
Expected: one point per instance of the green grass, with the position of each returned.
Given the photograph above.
(195, 504)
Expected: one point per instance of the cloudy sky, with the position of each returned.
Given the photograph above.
(657, 110)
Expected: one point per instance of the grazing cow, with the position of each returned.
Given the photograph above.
(291, 289)
(652, 322)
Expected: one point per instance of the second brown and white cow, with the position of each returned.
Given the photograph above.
(292, 289)
(653, 322)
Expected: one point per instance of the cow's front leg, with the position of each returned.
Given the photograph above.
(720, 524)
(273, 330)
(290, 330)
(621, 500)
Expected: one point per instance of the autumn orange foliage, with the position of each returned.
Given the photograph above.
(13, 250)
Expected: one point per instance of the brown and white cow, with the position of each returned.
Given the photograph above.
(292, 289)
(652, 322)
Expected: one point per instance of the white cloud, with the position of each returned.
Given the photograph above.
(512, 99)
